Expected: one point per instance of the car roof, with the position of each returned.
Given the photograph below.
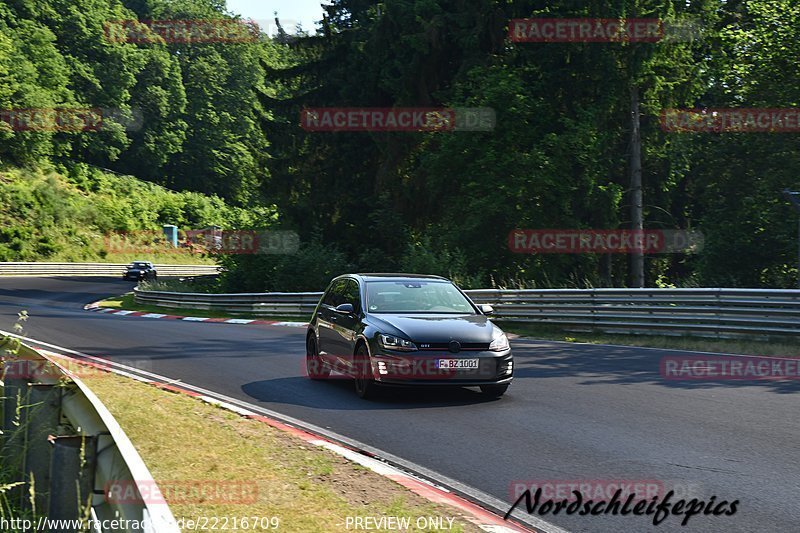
(394, 276)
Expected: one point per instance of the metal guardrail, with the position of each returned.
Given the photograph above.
(714, 312)
(260, 304)
(97, 269)
(58, 433)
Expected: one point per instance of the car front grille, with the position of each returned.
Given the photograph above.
(445, 346)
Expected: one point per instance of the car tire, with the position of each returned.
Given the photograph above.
(366, 388)
(315, 368)
(493, 391)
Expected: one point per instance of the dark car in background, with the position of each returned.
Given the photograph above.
(141, 271)
(406, 329)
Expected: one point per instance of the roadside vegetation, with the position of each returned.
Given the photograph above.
(14, 504)
(74, 214)
(196, 446)
(221, 119)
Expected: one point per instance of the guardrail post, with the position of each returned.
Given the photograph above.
(13, 451)
(71, 478)
(41, 420)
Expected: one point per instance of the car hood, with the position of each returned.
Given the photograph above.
(436, 327)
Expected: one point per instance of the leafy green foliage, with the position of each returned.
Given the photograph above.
(221, 118)
(310, 269)
(184, 114)
(66, 216)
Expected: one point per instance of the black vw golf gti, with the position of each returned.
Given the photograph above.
(141, 270)
(406, 329)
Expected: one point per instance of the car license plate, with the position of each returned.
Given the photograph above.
(457, 364)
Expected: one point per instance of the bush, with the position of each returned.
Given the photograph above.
(310, 269)
(422, 257)
(64, 212)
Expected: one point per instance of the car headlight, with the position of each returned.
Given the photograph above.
(390, 342)
(499, 343)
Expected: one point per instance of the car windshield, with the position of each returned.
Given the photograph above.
(416, 296)
(138, 265)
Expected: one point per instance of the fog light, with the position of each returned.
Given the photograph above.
(509, 368)
(382, 368)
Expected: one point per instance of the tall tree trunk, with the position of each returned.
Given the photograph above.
(637, 217)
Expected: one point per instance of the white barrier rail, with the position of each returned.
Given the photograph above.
(58, 433)
(97, 269)
(710, 311)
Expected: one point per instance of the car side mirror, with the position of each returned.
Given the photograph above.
(345, 309)
(486, 309)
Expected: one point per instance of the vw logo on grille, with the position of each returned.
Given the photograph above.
(454, 346)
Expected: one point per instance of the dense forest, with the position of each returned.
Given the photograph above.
(222, 118)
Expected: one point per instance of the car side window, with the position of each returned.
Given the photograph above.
(327, 299)
(352, 295)
(335, 295)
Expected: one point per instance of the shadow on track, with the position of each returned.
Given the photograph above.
(338, 394)
(620, 365)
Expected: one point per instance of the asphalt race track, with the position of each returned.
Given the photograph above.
(573, 413)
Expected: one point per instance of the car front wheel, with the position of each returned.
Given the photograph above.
(365, 384)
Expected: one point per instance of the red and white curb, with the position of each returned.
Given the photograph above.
(95, 306)
(486, 520)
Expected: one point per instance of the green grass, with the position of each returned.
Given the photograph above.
(201, 284)
(9, 507)
(126, 302)
(186, 441)
(13, 445)
(163, 258)
(774, 347)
